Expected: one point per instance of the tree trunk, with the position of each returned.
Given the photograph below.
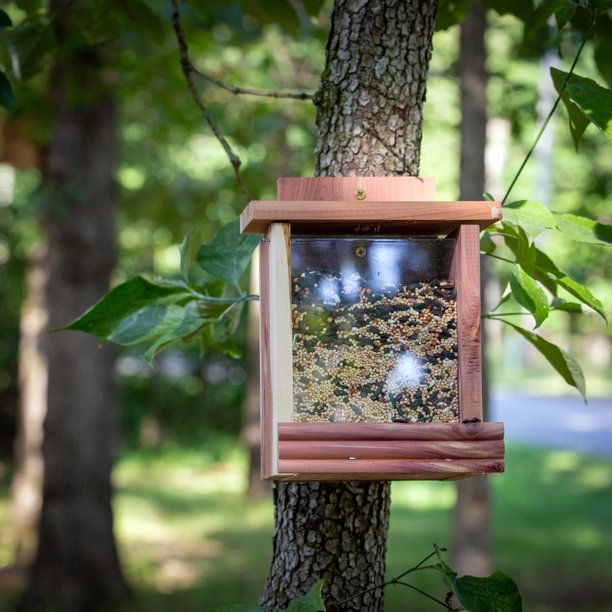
(369, 118)
(76, 567)
(471, 539)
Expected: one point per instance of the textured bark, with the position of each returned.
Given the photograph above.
(373, 87)
(369, 119)
(471, 539)
(76, 567)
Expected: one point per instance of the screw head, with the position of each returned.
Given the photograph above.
(360, 194)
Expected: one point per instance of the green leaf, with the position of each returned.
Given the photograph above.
(313, 7)
(228, 254)
(547, 273)
(577, 121)
(29, 6)
(538, 34)
(505, 297)
(581, 292)
(488, 196)
(451, 12)
(280, 12)
(559, 304)
(6, 92)
(561, 361)
(311, 602)
(532, 216)
(182, 323)
(157, 321)
(102, 318)
(584, 229)
(29, 45)
(517, 241)
(529, 294)
(564, 11)
(495, 593)
(602, 49)
(486, 244)
(522, 9)
(213, 308)
(594, 101)
(143, 19)
(5, 21)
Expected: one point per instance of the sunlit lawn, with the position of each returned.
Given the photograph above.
(190, 541)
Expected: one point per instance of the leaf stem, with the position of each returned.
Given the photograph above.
(395, 580)
(500, 258)
(411, 586)
(549, 116)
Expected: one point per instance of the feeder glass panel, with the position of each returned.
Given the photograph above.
(374, 330)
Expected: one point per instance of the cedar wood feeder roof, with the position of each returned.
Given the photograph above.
(370, 331)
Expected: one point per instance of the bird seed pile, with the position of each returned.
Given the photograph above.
(361, 355)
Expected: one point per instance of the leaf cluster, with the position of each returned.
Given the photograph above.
(535, 282)
(28, 47)
(157, 314)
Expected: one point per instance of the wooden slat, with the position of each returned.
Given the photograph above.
(465, 271)
(371, 476)
(265, 372)
(420, 449)
(389, 467)
(375, 188)
(260, 213)
(351, 432)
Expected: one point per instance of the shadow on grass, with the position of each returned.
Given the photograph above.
(190, 541)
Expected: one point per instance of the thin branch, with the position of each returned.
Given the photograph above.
(264, 93)
(549, 116)
(395, 580)
(189, 71)
(411, 586)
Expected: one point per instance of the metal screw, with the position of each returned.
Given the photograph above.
(360, 194)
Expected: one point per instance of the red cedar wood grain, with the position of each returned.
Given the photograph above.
(465, 271)
(436, 441)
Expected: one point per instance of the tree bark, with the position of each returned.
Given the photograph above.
(76, 567)
(369, 115)
(471, 539)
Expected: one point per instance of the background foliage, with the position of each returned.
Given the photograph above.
(175, 180)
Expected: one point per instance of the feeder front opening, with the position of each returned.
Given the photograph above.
(374, 330)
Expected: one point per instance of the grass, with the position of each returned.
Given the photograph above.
(189, 540)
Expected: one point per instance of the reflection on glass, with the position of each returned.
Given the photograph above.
(374, 330)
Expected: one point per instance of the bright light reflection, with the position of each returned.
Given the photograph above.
(328, 291)
(408, 372)
(350, 280)
(384, 263)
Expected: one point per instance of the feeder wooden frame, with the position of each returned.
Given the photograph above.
(369, 451)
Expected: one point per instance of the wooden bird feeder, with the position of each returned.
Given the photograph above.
(370, 332)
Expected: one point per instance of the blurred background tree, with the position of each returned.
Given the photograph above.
(171, 176)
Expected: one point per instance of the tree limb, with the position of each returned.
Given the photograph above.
(189, 71)
(301, 95)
